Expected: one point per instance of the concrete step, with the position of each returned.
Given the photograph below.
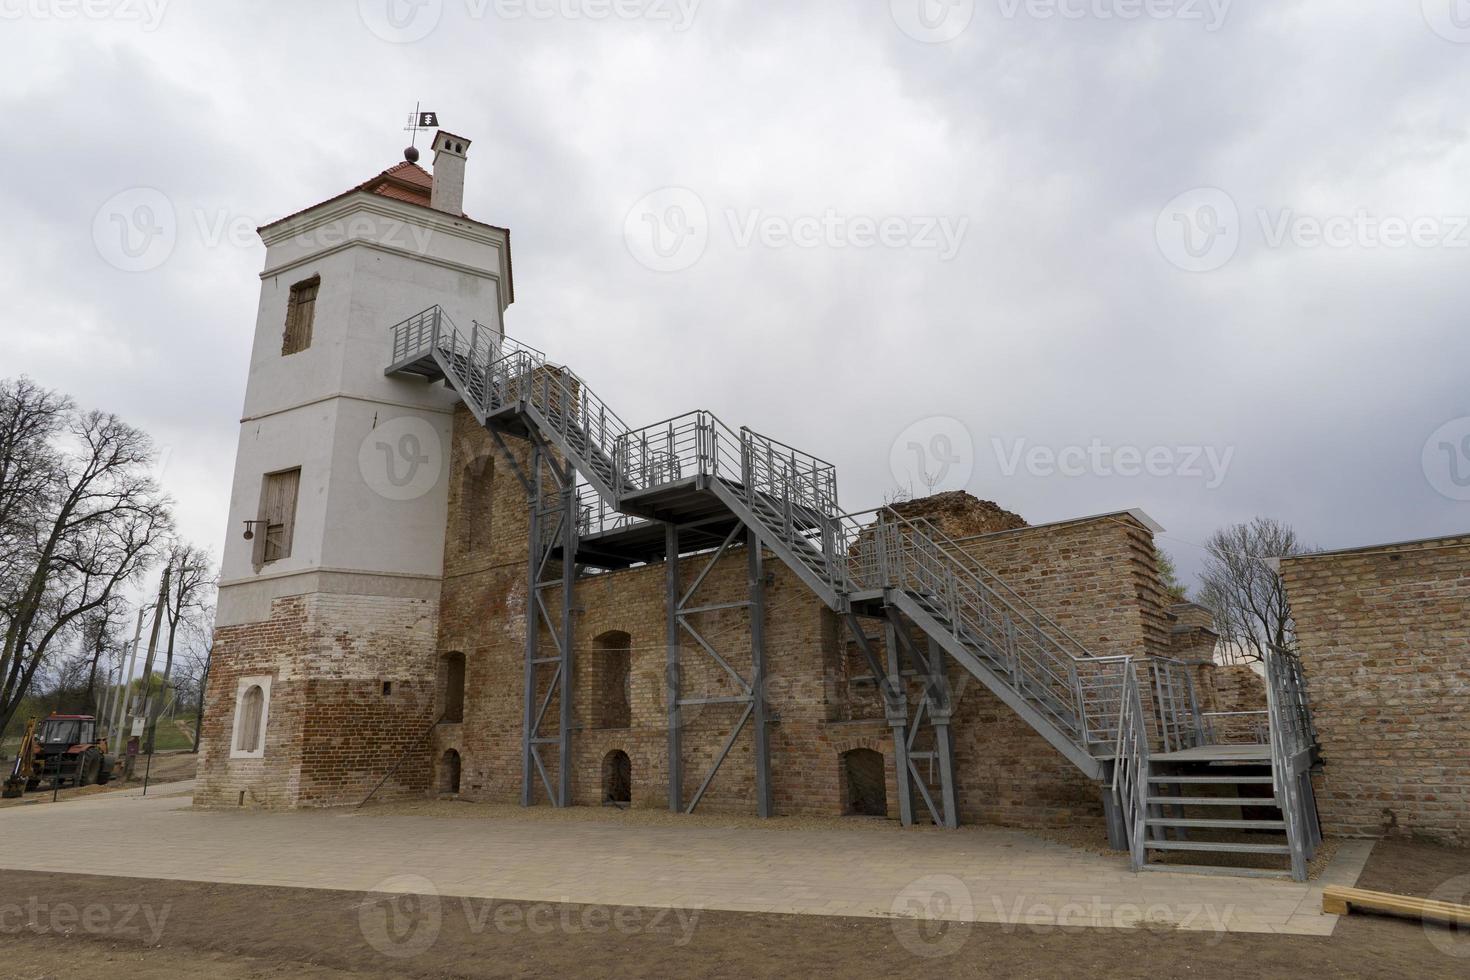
(1209, 869)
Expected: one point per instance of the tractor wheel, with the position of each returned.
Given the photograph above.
(104, 772)
(88, 767)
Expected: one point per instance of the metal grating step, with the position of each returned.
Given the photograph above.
(1216, 847)
(1215, 800)
(1221, 824)
(1213, 780)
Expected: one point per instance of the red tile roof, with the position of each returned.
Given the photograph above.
(405, 182)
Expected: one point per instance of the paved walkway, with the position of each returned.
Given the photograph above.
(978, 874)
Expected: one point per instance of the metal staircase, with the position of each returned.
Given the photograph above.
(1202, 796)
(637, 490)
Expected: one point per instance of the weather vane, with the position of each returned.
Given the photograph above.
(419, 120)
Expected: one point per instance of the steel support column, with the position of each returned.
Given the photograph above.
(533, 555)
(671, 668)
(895, 703)
(762, 734)
(940, 708)
(552, 524)
(568, 635)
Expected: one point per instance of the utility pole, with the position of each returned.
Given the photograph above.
(199, 717)
(147, 666)
(122, 690)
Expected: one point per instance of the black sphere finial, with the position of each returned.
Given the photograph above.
(411, 154)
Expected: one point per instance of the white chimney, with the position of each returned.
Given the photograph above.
(449, 161)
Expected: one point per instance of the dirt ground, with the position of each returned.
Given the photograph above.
(168, 767)
(168, 929)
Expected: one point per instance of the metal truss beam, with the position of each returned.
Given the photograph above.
(683, 609)
(552, 505)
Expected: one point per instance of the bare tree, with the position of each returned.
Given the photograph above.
(102, 631)
(92, 525)
(191, 588)
(1244, 592)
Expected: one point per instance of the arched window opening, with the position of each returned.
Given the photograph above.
(617, 779)
(863, 790)
(449, 773)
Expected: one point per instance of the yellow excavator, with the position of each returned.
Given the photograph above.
(23, 776)
(67, 748)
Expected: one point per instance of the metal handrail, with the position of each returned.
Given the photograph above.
(1131, 768)
(1179, 719)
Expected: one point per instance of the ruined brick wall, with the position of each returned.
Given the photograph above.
(1385, 643)
(1097, 578)
(333, 731)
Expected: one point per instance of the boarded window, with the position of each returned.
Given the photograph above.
(252, 710)
(300, 311)
(277, 516)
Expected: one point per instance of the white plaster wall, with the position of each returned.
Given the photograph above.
(380, 262)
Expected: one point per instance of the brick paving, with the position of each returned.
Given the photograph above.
(981, 874)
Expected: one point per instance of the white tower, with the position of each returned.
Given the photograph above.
(328, 611)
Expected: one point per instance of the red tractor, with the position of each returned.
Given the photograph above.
(65, 749)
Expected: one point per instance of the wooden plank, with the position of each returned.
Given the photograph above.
(1337, 900)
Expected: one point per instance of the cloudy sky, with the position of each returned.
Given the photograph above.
(1200, 257)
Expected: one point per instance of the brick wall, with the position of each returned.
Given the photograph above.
(1097, 578)
(1385, 642)
(332, 731)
